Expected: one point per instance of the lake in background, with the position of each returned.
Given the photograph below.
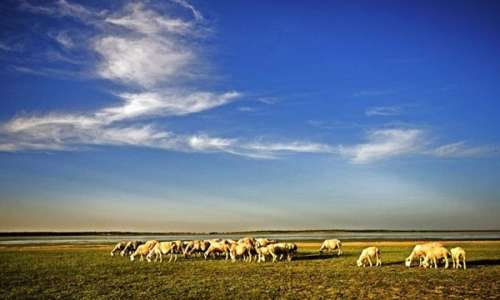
(310, 236)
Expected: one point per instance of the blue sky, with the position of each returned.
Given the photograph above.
(223, 115)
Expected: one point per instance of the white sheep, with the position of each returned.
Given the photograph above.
(143, 250)
(456, 254)
(418, 252)
(331, 245)
(433, 254)
(163, 248)
(367, 255)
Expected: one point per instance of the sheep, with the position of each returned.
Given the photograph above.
(262, 242)
(282, 250)
(197, 246)
(161, 249)
(179, 249)
(262, 252)
(331, 245)
(419, 252)
(118, 247)
(243, 249)
(367, 255)
(246, 240)
(218, 247)
(143, 249)
(456, 254)
(433, 254)
(130, 247)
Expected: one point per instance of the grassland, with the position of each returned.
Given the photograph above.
(76, 271)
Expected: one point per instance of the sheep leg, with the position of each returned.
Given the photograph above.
(274, 256)
(446, 265)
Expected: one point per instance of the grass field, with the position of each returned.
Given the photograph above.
(76, 271)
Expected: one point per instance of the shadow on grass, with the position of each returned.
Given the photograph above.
(472, 263)
(319, 256)
(484, 262)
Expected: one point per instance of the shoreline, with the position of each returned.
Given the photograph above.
(301, 244)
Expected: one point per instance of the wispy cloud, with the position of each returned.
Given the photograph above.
(383, 111)
(247, 109)
(461, 149)
(151, 57)
(63, 8)
(138, 48)
(63, 38)
(374, 93)
(5, 47)
(268, 100)
(168, 103)
(384, 143)
(196, 13)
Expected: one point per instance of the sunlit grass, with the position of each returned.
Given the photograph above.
(89, 272)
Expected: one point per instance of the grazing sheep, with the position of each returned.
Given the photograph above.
(281, 250)
(331, 245)
(433, 254)
(367, 255)
(456, 254)
(418, 252)
(243, 250)
(161, 249)
(143, 250)
(221, 247)
(197, 246)
(262, 252)
(263, 242)
(130, 247)
(246, 240)
(118, 247)
(179, 246)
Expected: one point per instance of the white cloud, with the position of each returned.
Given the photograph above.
(247, 109)
(296, 146)
(63, 8)
(145, 61)
(383, 111)
(385, 143)
(138, 18)
(196, 14)
(205, 143)
(460, 149)
(268, 100)
(166, 104)
(64, 39)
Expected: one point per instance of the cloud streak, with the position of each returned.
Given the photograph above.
(383, 144)
(383, 111)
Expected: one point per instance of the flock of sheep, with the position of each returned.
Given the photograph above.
(258, 249)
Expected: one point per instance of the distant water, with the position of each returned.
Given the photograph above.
(309, 236)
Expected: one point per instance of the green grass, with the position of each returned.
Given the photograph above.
(89, 272)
